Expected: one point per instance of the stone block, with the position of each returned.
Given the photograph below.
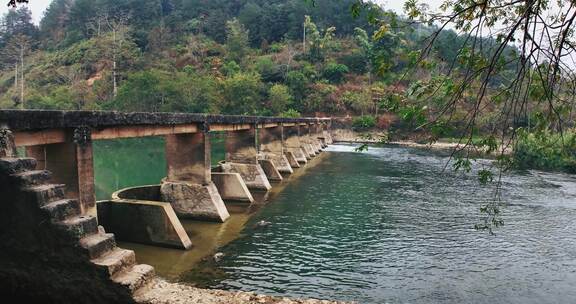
(252, 174)
(231, 186)
(280, 162)
(194, 201)
(292, 159)
(270, 169)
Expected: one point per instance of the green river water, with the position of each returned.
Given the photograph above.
(386, 226)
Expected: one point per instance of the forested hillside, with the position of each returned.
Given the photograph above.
(234, 57)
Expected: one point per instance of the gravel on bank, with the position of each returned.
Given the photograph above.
(162, 292)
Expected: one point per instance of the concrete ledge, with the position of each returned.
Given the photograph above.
(300, 154)
(280, 162)
(292, 159)
(309, 151)
(146, 222)
(231, 187)
(253, 175)
(194, 201)
(270, 169)
(39, 119)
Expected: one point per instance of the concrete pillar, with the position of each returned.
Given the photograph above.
(321, 134)
(316, 137)
(71, 163)
(189, 187)
(326, 133)
(294, 146)
(307, 143)
(272, 148)
(242, 158)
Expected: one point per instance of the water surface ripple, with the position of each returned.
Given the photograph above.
(390, 226)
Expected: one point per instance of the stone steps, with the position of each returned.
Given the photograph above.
(80, 226)
(116, 260)
(135, 277)
(100, 247)
(33, 178)
(17, 165)
(46, 194)
(98, 244)
(62, 209)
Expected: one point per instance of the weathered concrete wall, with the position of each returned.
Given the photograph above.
(231, 187)
(241, 147)
(194, 201)
(150, 221)
(188, 157)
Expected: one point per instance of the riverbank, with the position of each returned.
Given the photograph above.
(162, 292)
(353, 137)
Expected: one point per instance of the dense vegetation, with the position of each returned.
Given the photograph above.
(233, 57)
(276, 57)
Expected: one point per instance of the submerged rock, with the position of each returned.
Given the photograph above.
(218, 257)
(262, 224)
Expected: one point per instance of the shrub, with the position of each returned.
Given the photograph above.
(335, 72)
(356, 62)
(280, 98)
(291, 113)
(363, 122)
(545, 150)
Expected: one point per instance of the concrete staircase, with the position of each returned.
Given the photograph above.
(98, 246)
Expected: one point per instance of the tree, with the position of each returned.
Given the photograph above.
(316, 42)
(242, 94)
(280, 98)
(236, 40)
(297, 82)
(53, 25)
(15, 52)
(119, 29)
(18, 22)
(335, 72)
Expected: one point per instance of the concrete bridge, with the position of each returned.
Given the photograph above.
(54, 179)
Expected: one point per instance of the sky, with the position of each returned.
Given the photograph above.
(39, 6)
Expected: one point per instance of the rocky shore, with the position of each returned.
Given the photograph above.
(162, 292)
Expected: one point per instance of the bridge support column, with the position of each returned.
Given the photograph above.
(306, 139)
(294, 146)
(318, 137)
(188, 186)
(326, 133)
(71, 163)
(272, 148)
(242, 158)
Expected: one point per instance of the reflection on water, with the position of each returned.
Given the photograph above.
(388, 226)
(207, 237)
(123, 163)
(135, 162)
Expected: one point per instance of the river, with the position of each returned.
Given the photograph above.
(389, 225)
